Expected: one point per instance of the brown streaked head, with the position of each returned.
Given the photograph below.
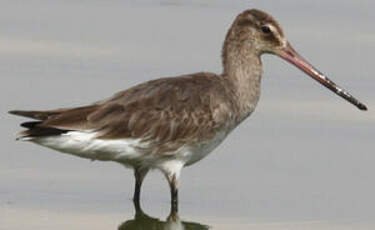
(254, 32)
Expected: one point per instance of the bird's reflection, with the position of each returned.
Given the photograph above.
(142, 221)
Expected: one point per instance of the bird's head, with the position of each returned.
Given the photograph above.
(255, 32)
(258, 31)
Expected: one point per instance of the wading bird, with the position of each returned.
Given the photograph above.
(173, 122)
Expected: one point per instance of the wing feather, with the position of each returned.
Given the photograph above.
(166, 112)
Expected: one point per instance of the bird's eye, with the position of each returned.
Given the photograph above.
(266, 29)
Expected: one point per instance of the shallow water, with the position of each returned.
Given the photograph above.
(304, 160)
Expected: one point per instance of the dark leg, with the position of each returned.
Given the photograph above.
(171, 170)
(139, 176)
(173, 184)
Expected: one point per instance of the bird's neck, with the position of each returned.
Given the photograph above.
(243, 71)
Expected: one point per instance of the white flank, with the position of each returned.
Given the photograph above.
(85, 144)
(126, 151)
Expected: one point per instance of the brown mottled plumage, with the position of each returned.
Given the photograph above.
(168, 112)
(170, 123)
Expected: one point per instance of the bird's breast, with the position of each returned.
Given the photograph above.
(196, 152)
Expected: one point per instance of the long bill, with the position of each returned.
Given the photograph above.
(290, 55)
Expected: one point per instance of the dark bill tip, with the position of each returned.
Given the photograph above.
(362, 107)
(290, 55)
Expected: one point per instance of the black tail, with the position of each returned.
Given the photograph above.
(41, 132)
(33, 130)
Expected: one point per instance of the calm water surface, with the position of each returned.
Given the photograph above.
(304, 160)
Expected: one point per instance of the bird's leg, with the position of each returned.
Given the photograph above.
(173, 184)
(173, 216)
(139, 176)
(172, 171)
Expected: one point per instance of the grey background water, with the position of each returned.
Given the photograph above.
(304, 160)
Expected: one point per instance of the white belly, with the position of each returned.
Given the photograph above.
(86, 145)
